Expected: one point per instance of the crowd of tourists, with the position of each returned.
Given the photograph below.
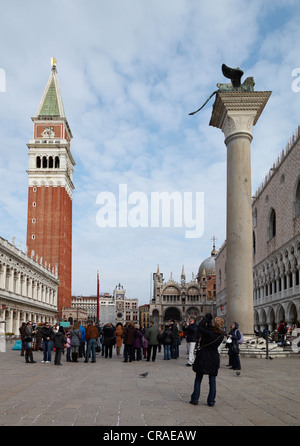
(84, 342)
(203, 343)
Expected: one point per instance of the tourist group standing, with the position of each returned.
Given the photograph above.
(79, 342)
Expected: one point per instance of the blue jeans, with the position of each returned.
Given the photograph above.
(91, 345)
(167, 351)
(212, 389)
(175, 349)
(47, 349)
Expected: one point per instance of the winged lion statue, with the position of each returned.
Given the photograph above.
(235, 75)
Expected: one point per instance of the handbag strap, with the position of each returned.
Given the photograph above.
(76, 334)
(198, 348)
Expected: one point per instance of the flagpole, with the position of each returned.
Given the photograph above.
(98, 290)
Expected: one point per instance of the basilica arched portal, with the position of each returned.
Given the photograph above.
(172, 313)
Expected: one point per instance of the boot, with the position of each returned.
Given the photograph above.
(27, 358)
(74, 357)
(31, 359)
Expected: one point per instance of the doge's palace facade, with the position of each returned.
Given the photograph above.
(276, 241)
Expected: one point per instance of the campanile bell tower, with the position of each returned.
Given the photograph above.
(50, 173)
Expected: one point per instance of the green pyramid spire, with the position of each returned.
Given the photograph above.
(51, 103)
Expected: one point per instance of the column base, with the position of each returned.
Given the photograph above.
(256, 347)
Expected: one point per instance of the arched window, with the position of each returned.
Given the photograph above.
(50, 162)
(38, 162)
(297, 201)
(44, 162)
(272, 224)
(254, 218)
(56, 162)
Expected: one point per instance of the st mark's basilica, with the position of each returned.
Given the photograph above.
(181, 300)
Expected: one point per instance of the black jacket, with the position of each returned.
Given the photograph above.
(167, 336)
(48, 333)
(207, 360)
(59, 340)
(108, 335)
(175, 331)
(191, 333)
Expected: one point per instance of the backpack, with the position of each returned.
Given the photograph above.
(241, 340)
(282, 329)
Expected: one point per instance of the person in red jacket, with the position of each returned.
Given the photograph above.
(282, 330)
(91, 337)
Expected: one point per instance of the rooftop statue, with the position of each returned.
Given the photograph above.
(235, 75)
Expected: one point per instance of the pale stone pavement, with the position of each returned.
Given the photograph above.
(110, 393)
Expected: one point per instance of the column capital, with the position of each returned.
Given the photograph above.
(236, 112)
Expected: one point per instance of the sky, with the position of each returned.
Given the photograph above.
(130, 72)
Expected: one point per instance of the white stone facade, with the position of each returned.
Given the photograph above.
(126, 309)
(107, 307)
(28, 288)
(112, 309)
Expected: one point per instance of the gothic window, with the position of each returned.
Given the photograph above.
(254, 218)
(297, 202)
(38, 162)
(272, 224)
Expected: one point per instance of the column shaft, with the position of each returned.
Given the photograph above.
(239, 233)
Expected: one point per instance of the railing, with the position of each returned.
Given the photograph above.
(264, 345)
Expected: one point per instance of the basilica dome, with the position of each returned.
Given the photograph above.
(208, 266)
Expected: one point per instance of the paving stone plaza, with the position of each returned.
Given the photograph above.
(109, 393)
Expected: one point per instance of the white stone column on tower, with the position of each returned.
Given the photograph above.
(235, 113)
